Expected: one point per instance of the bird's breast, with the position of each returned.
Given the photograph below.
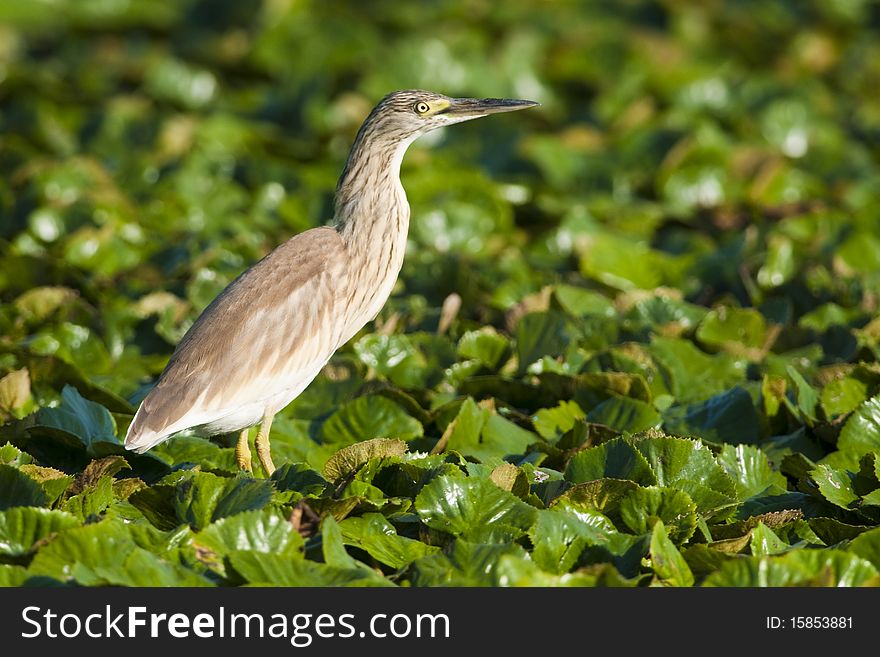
(373, 269)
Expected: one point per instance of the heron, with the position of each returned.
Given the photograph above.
(269, 333)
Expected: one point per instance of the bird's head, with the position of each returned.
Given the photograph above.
(406, 115)
(399, 119)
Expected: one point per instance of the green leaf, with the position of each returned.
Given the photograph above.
(93, 500)
(625, 414)
(729, 417)
(369, 417)
(842, 396)
(17, 489)
(835, 486)
(54, 482)
(202, 497)
(642, 508)
(326, 393)
(374, 534)
(750, 469)
(15, 394)
(580, 302)
(861, 433)
(22, 527)
(335, 555)
(465, 564)
(485, 345)
(332, 546)
(463, 433)
(192, 449)
(552, 423)
(283, 570)
(512, 570)
(104, 544)
(12, 575)
(694, 186)
(662, 313)
(500, 437)
(11, 455)
(157, 541)
(299, 478)
(622, 263)
(867, 546)
(741, 331)
(559, 537)
(779, 265)
(96, 470)
(670, 568)
(479, 433)
(693, 375)
(764, 542)
(830, 531)
(157, 504)
(542, 334)
(141, 568)
(509, 477)
(86, 421)
(615, 459)
(795, 568)
(601, 495)
(409, 361)
(38, 303)
(349, 459)
(463, 505)
(262, 530)
(807, 397)
(861, 251)
(177, 81)
(691, 467)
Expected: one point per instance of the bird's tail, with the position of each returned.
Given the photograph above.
(139, 437)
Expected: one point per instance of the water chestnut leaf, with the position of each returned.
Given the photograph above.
(369, 417)
(86, 421)
(729, 417)
(459, 506)
(21, 527)
(346, 461)
(798, 568)
(615, 459)
(18, 489)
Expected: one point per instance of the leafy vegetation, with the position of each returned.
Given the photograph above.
(661, 365)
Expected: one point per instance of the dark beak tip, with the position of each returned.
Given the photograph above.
(502, 104)
(523, 103)
(475, 107)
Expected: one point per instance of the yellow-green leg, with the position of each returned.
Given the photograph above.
(243, 451)
(262, 444)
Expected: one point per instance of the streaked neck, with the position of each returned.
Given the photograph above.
(369, 196)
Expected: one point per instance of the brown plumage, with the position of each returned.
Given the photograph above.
(269, 333)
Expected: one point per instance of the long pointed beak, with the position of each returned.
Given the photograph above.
(473, 108)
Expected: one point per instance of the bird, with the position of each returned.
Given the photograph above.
(269, 333)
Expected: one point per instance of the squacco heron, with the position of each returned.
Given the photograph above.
(268, 334)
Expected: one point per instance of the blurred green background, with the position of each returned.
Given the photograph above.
(150, 151)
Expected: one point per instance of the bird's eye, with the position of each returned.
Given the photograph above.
(422, 107)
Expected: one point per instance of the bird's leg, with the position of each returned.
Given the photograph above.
(262, 444)
(243, 451)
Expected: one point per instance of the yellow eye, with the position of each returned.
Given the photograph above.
(422, 107)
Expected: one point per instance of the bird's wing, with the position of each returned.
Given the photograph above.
(269, 331)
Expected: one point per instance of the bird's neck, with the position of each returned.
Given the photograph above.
(370, 206)
(372, 217)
